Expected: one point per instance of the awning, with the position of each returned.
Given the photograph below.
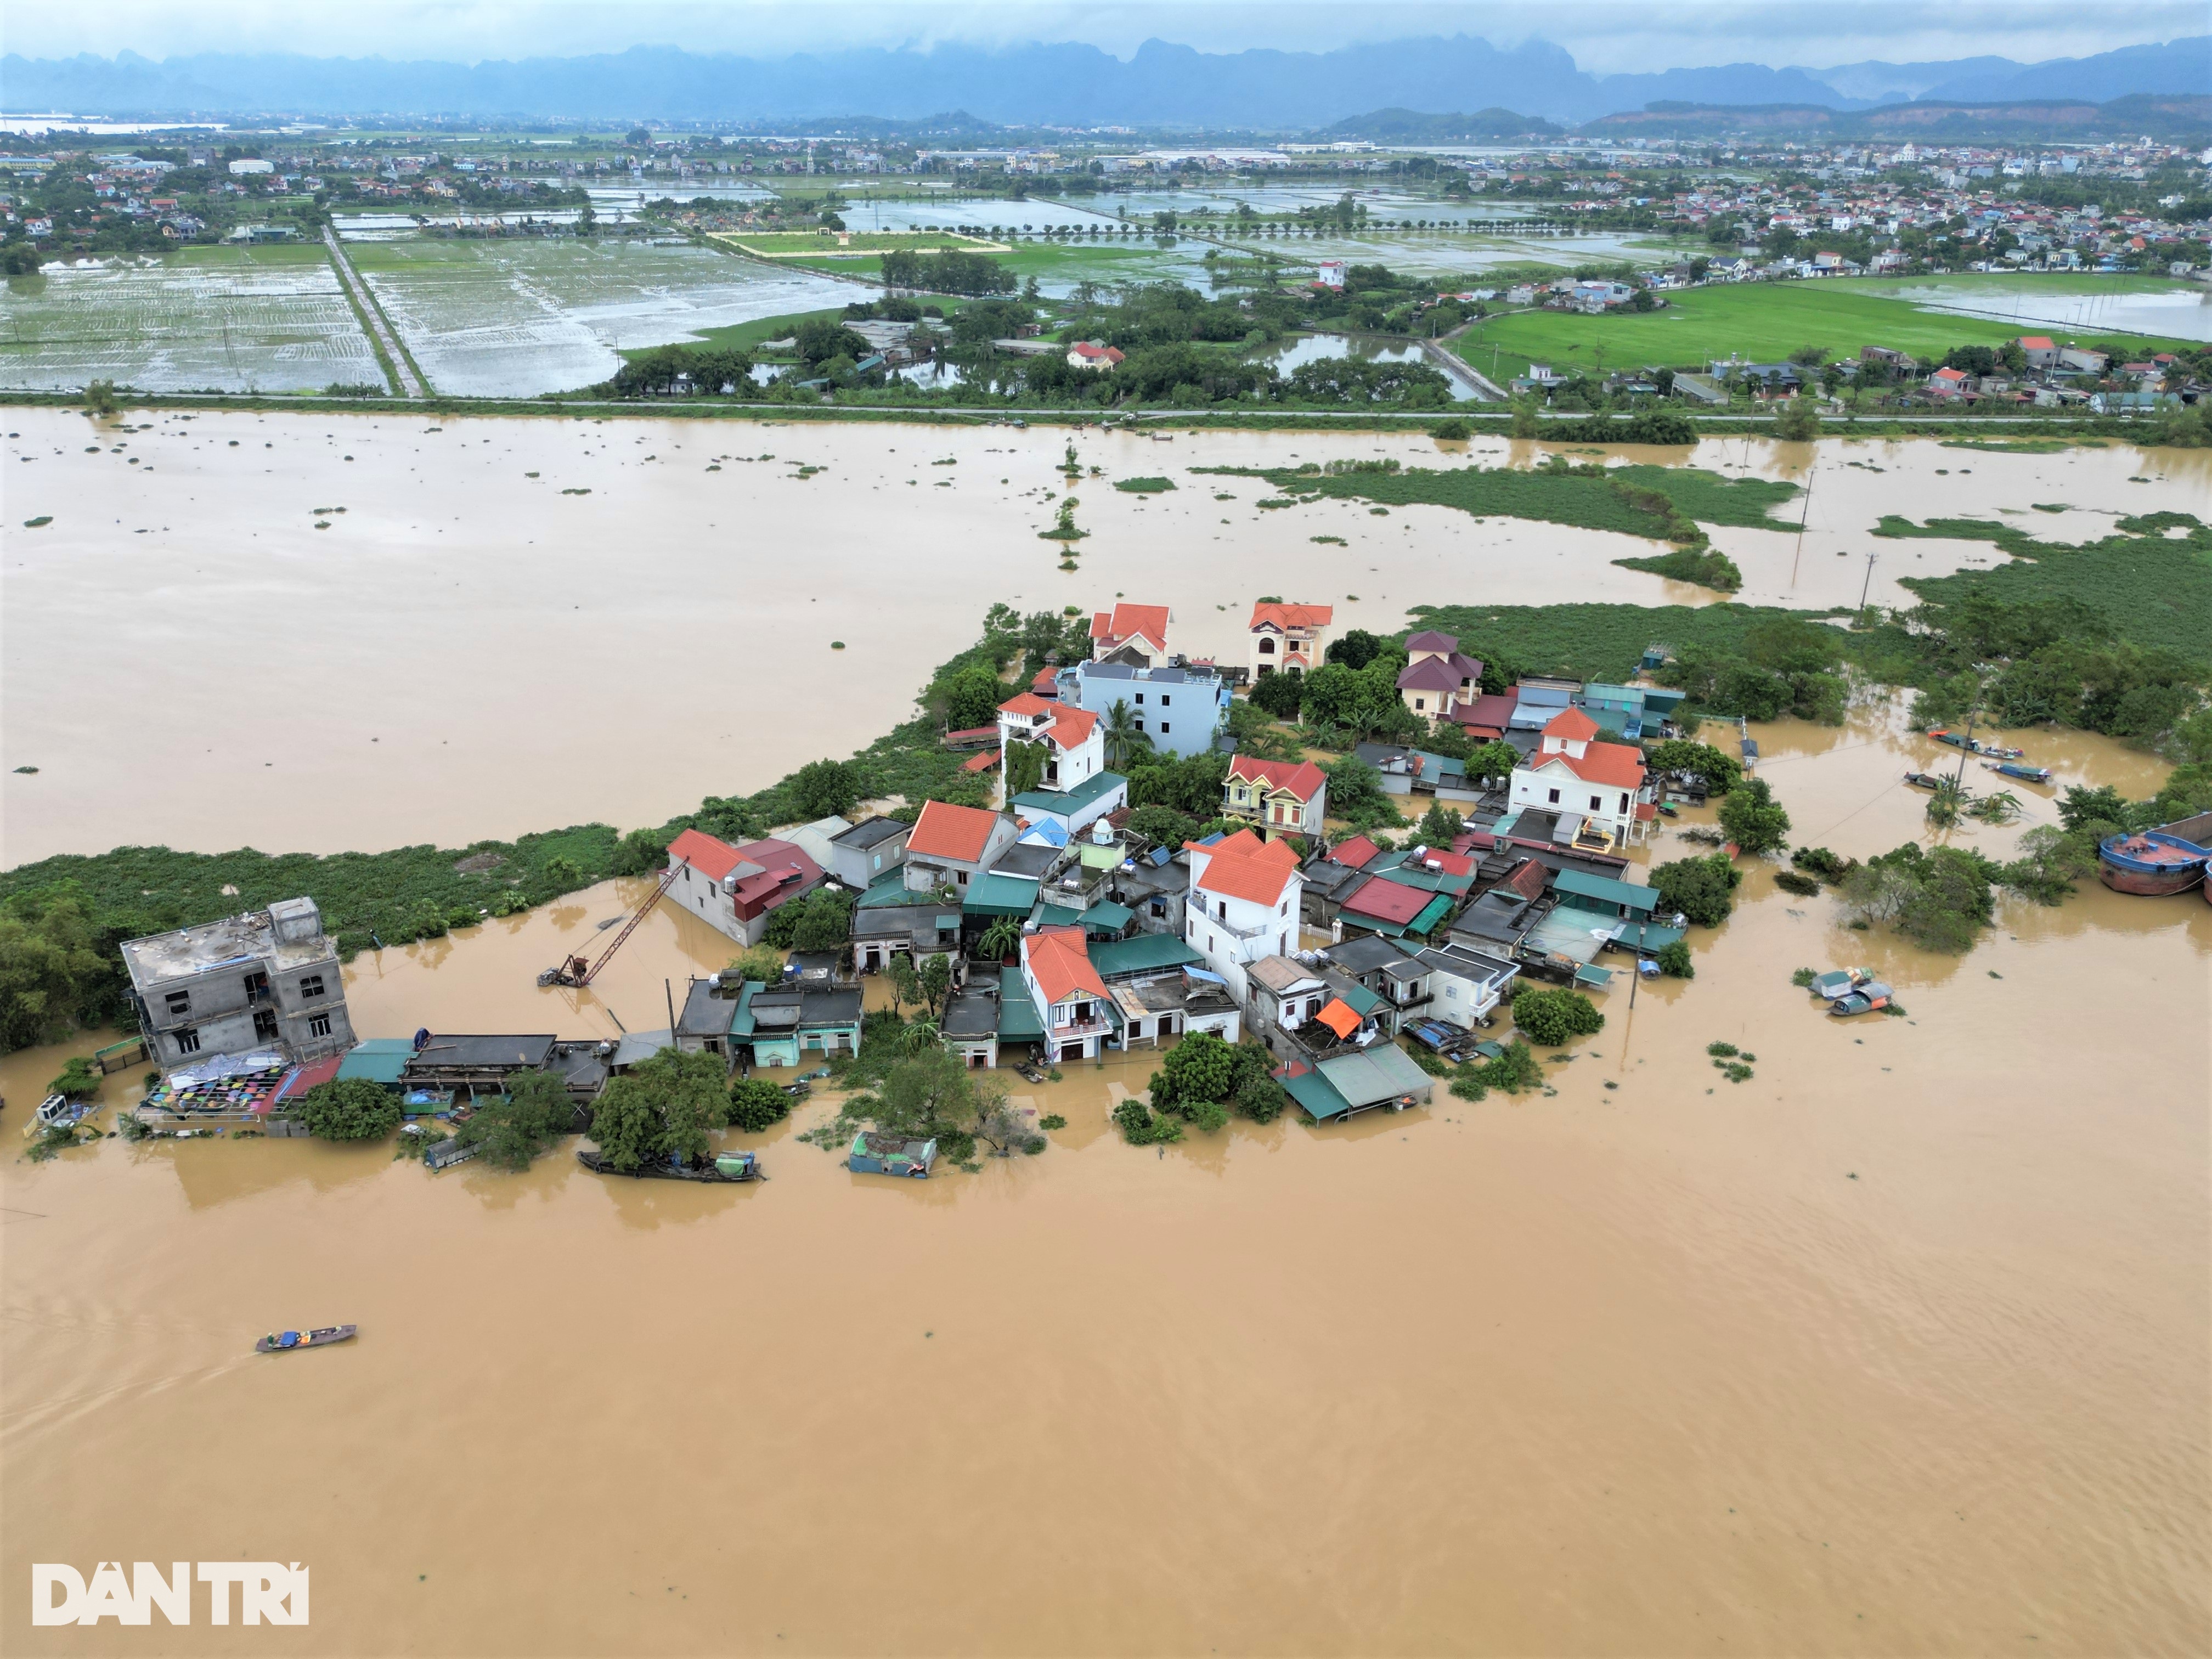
(1339, 1018)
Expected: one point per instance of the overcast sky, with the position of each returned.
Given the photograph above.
(1604, 35)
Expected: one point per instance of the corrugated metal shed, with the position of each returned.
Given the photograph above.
(1624, 895)
(999, 895)
(377, 1060)
(1138, 955)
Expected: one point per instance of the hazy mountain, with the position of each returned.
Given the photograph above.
(1406, 126)
(1163, 85)
(2177, 117)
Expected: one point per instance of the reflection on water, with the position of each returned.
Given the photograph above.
(1286, 355)
(2183, 312)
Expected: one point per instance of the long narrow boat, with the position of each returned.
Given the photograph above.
(723, 1166)
(2153, 863)
(285, 1341)
(1951, 738)
(2027, 773)
(1923, 780)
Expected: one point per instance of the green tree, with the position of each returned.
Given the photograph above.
(971, 697)
(514, 1128)
(755, 1105)
(52, 974)
(1024, 767)
(1555, 1017)
(1124, 735)
(1439, 825)
(1000, 939)
(1164, 826)
(661, 1108)
(1675, 961)
(1355, 794)
(1720, 771)
(1799, 423)
(640, 853)
(936, 983)
(78, 1080)
(1526, 420)
(825, 920)
(100, 398)
(1279, 695)
(1702, 889)
(1355, 648)
(349, 1109)
(1940, 899)
(1494, 759)
(825, 788)
(1754, 819)
(1200, 1067)
(906, 982)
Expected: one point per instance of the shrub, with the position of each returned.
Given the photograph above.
(1277, 694)
(1723, 1050)
(1469, 1085)
(349, 1109)
(1141, 1127)
(1262, 1099)
(1754, 819)
(1555, 1017)
(79, 1079)
(756, 1104)
(1819, 861)
(1452, 431)
(1052, 1120)
(1803, 978)
(1790, 882)
(1675, 962)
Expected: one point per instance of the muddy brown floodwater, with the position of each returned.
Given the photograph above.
(519, 624)
(1900, 1347)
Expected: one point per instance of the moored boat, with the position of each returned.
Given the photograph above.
(723, 1166)
(1837, 983)
(1951, 738)
(2027, 773)
(2152, 863)
(1868, 995)
(322, 1337)
(1923, 780)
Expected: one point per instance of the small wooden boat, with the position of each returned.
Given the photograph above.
(1923, 781)
(1998, 751)
(1869, 995)
(2152, 863)
(1028, 1073)
(1837, 983)
(2027, 773)
(723, 1166)
(285, 1341)
(1951, 738)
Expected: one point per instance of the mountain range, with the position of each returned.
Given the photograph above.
(1066, 84)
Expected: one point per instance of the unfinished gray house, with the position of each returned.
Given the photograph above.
(268, 979)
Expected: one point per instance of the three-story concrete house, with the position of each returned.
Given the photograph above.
(268, 979)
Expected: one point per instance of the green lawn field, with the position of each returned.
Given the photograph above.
(1763, 322)
(857, 244)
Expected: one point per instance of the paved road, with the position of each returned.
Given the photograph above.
(410, 385)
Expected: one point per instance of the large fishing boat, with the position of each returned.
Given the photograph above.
(2150, 862)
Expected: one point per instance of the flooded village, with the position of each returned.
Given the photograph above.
(1799, 1325)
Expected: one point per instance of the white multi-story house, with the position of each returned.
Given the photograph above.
(1572, 773)
(1070, 997)
(1074, 760)
(1243, 903)
(1288, 638)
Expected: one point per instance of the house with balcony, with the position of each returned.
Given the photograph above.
(265, 980)
(1136, 634)
(1281, 797)
(1392, 970)
(734, 890)
(1242, 904)
(1572, 774)
(1070, 999)
(1180, 709)
(1465, 986)
(1438, 677)
(1288, 639)
(954, 846)
(1074, 747)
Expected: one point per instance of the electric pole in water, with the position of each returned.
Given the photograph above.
(1867, 583)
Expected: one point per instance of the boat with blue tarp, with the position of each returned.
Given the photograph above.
(2151, 862)
(2025, 774)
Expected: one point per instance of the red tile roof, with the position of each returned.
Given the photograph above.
(1027, 702)
(1528, 878)
(1354, 852)
(1287, 616)
(780, 865)
(1046, 683)
(1615, 765)
(1059, 960)
(711, 858)
(1386, 901)
(982, 762)
(2035, 342)
(946, 831)
(1073, 729)
(1492, 712)
(1128, 621)
(1303, 779)
(1242, 866)
(1572, 725)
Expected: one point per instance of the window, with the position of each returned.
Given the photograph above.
(1597, 803)
(181, 1002)
(1420, 704)
(1553, 795)
(187, 1040)
(265, 1026)
(1165, 728)
(311, 985)
(1140, 699)
(1623, 803)
(1166, 699)
(961, 877)
(319, 1024)
(1266, 647)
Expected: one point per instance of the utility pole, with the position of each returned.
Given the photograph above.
(1867, 583)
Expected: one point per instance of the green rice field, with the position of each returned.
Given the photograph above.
(270, 319)
(1763, 322)
(849, 245)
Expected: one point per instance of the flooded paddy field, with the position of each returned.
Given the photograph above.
(1899, 1347)
(471, 651)
(2085, 304)
(206, 319)
(513, 317)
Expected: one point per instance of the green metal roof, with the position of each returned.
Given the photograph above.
(1138, 955)
(1357, 998)
(1056, 915)
(1650, 937)
(1635, 897)
(741, 1022)
(889, 888)
(377, 1060)
(1430, 913)
(999, 895)
(1313, 1092)
(1063, 803)
(1109, 917)
(1382, 1073)
(1017, 1016)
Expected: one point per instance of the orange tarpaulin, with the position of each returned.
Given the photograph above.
(1339, 1018)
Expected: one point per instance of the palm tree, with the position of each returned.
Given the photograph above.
(922, 1034)
(999, 939)
(1124, 736)
(1949, 801)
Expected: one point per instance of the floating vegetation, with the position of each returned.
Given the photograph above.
(1269, 503)
(2050, 507)
(575, 492)
(26, 770)
(1333, 541)
(2023, 446)
(1803, 978)
(1145, 486)
(1723, 1050)
(836, 645)
(1790, 882)
(1705, 566)
(38, 523)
